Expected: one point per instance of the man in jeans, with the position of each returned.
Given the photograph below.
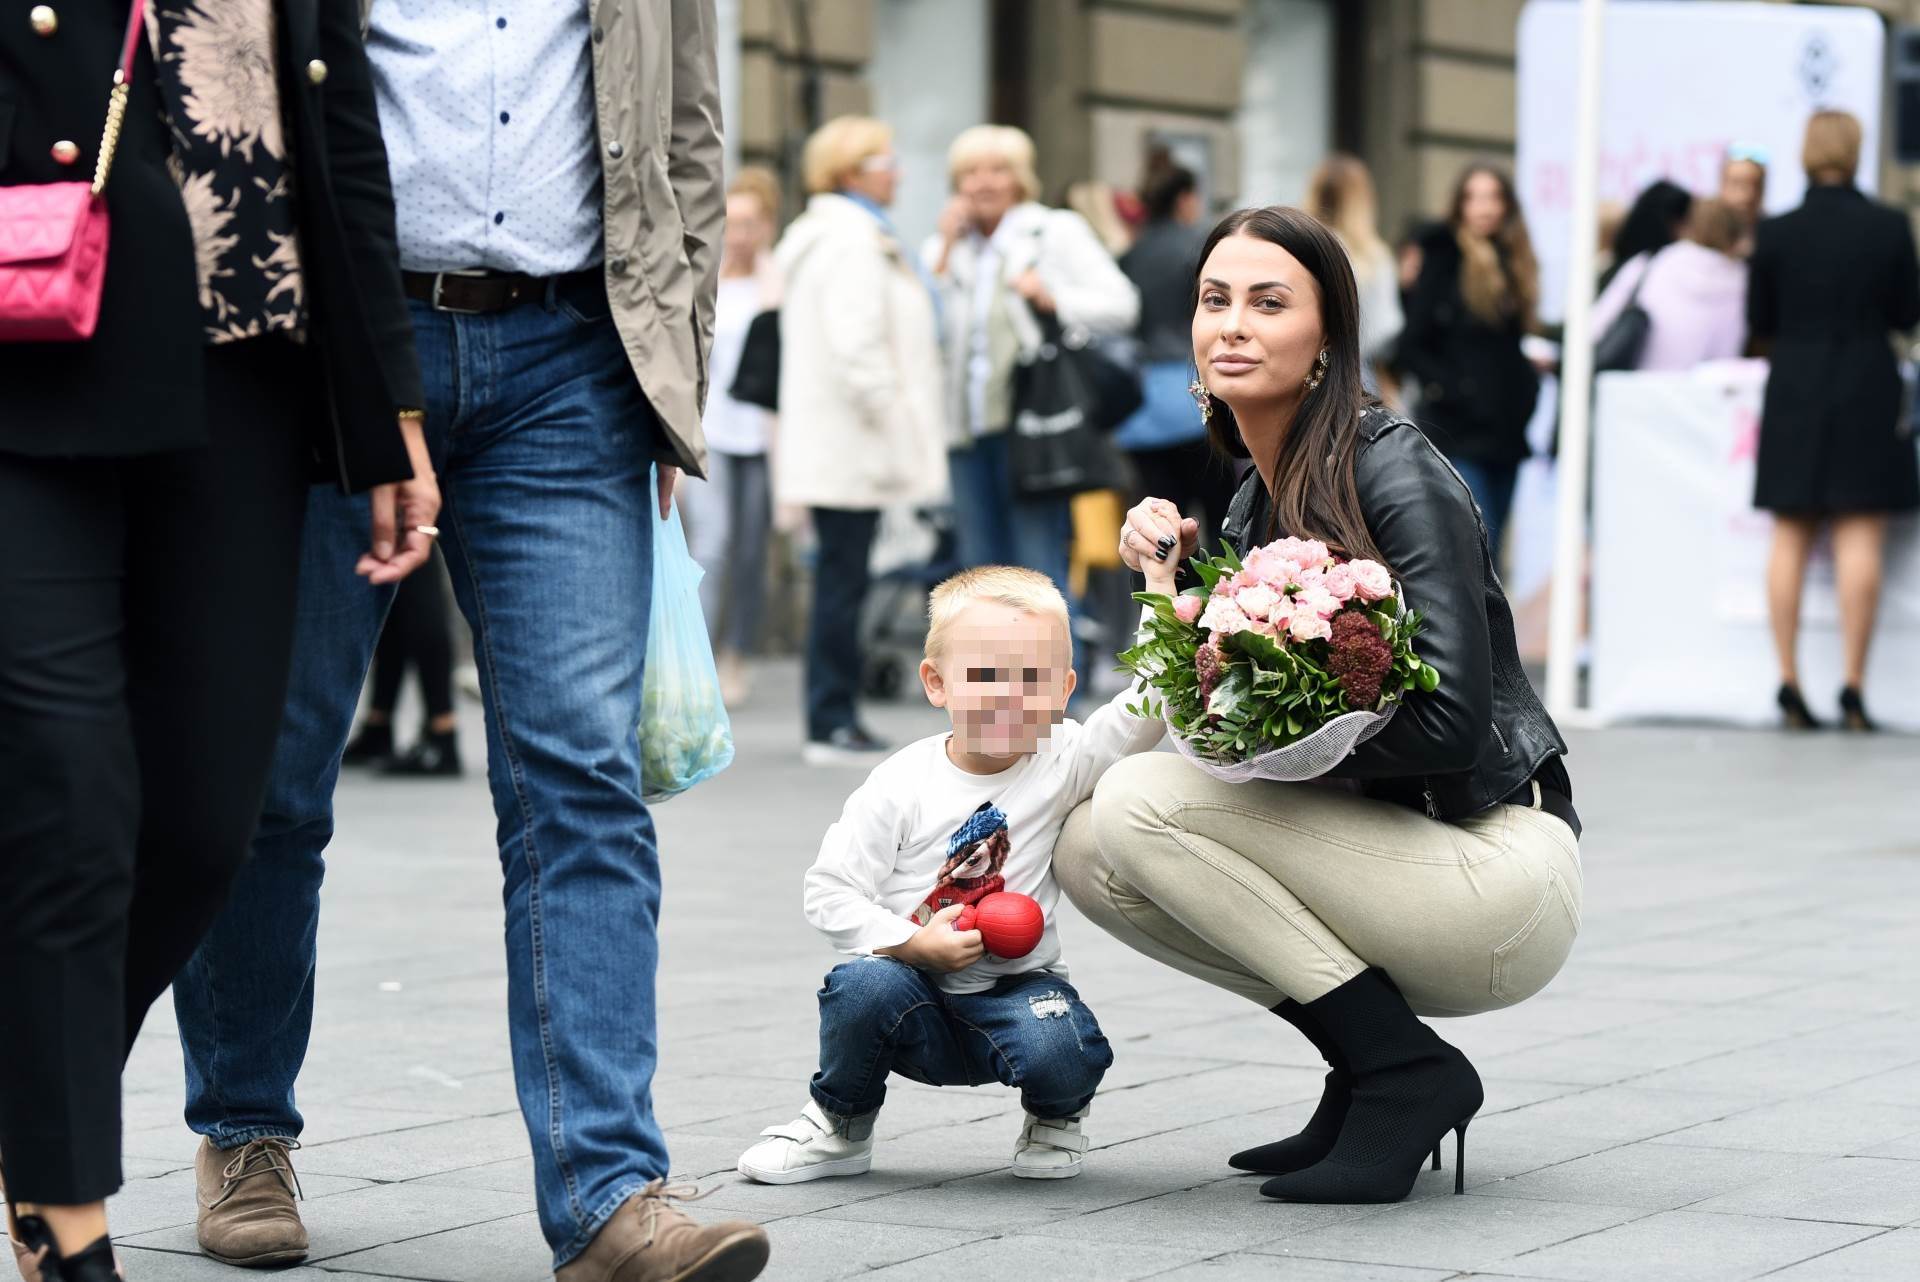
(556, 174)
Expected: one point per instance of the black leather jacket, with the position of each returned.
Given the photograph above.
(1483, 733)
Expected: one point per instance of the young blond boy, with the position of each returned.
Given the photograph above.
(935, 828)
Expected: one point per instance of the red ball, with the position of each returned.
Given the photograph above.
(1010, 925)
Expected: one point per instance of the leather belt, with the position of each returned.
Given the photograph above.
(479, 293)
(1534, 796)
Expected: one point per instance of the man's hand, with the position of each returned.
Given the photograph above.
(938, 947)
(669, 477)
(399, 509)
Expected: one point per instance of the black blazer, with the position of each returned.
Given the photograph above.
(135, 388)
(1477, 388)
(1830, 281)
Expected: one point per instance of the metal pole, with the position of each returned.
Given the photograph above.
(1576, 384)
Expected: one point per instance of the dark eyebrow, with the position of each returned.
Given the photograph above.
(1251, 289)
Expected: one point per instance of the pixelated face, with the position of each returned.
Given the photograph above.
(1004, 678)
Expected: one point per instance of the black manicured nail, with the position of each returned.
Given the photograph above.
(1166, 542)
(1161, 555)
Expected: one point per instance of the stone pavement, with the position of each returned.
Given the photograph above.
(1722, 1084)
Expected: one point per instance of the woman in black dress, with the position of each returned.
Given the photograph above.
(1474, 301)
(252, 337)
(1830, 280)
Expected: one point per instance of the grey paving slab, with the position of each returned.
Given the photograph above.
(1685, 1246)
(1743, 991)
(173, 1266)
(1873, 1259)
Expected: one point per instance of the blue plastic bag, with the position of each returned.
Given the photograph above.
(684, 732)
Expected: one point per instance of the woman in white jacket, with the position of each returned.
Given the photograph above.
(999, 258)
(861, 419)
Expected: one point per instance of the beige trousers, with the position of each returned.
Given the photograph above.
(1289, 890)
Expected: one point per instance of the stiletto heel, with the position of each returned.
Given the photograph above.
(1436, 1157)
(1793, 709)
(1853, 712)
(1460, 1158)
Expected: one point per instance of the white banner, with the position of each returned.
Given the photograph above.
(1679, 610)
(1681, 81)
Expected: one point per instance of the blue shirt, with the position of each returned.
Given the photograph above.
(492, 138)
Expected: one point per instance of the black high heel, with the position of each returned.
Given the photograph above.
(1315, 1140)
(94, 1264)
(1409, 1089)
(1794, 710)
(1853, 712)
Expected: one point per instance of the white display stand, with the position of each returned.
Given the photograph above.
(1680, 81)
(1678, 608)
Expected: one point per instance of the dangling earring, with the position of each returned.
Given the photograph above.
(1203, 398)
(1313, 379)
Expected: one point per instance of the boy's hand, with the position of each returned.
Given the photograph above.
(938, 947)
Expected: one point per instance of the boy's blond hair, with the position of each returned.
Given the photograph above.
(1006, 585)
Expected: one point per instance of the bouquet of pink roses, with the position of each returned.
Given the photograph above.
(1278, 666)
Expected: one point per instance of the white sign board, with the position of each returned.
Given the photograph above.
(1679, 609)
(1681, 81)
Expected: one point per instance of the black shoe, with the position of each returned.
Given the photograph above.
(847, 746)
(95, 1264)
(436, 754)
(1853, 712)
(1298, 1152)
(373, 744)
(1409, 1089)
(1794, 710)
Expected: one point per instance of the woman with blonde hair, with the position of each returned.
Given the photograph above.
(1340, 196)
(730, 514)
(1830, 280)
(863, 427)
(1474, 301)
(1001, 260)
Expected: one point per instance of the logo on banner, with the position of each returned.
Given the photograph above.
(1819, 65)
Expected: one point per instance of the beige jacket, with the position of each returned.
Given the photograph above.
(861, 419)
(657, 93)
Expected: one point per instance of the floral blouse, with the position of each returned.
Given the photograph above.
(218, 80)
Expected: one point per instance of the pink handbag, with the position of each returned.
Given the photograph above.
(53, 236)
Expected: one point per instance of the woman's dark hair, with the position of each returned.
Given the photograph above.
(1314, 495)
(1652, 224)
(1162, 190)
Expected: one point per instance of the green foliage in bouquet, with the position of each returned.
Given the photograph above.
(1236, 694)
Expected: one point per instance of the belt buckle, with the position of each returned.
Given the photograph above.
(439, 280)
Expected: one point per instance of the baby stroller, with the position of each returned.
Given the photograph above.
(915, 550)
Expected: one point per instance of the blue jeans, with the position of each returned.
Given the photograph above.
(993, 527)
(1031, 1032)
(1492, 486)
(840, 583)
(543, 442)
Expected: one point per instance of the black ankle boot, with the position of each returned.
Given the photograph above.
(436, 753)
(1853, 711)
(95, 1264)
(1409, 1089)
(1794, 710)
(371, 746)
(1298, 1152)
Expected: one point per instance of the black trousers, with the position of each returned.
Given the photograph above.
(419, 632)
(146, 619)
(840, 582)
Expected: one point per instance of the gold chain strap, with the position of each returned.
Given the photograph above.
(110, 140)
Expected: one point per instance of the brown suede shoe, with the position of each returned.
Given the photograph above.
(651, 1240)
(247, 1211)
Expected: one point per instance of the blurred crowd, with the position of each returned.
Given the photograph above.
(863, 384)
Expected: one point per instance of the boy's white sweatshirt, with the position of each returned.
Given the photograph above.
(917, 812)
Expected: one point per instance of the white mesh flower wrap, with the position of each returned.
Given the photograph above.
(1305, 758)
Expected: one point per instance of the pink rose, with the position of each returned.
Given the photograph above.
(1314, 599)
(1266, 566)
(1371, 582)
(1308, 626)
(1258, 601)
(1187, 608)
(1222, 617)
(1302, 552)
(1339, 581)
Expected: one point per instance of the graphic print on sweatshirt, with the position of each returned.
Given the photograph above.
(976, 855)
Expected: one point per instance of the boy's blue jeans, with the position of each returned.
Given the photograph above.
(1030, 1031)
(544, 445)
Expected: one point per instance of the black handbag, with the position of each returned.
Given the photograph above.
(1619, 348)
(1067, 395)
(757, 379)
